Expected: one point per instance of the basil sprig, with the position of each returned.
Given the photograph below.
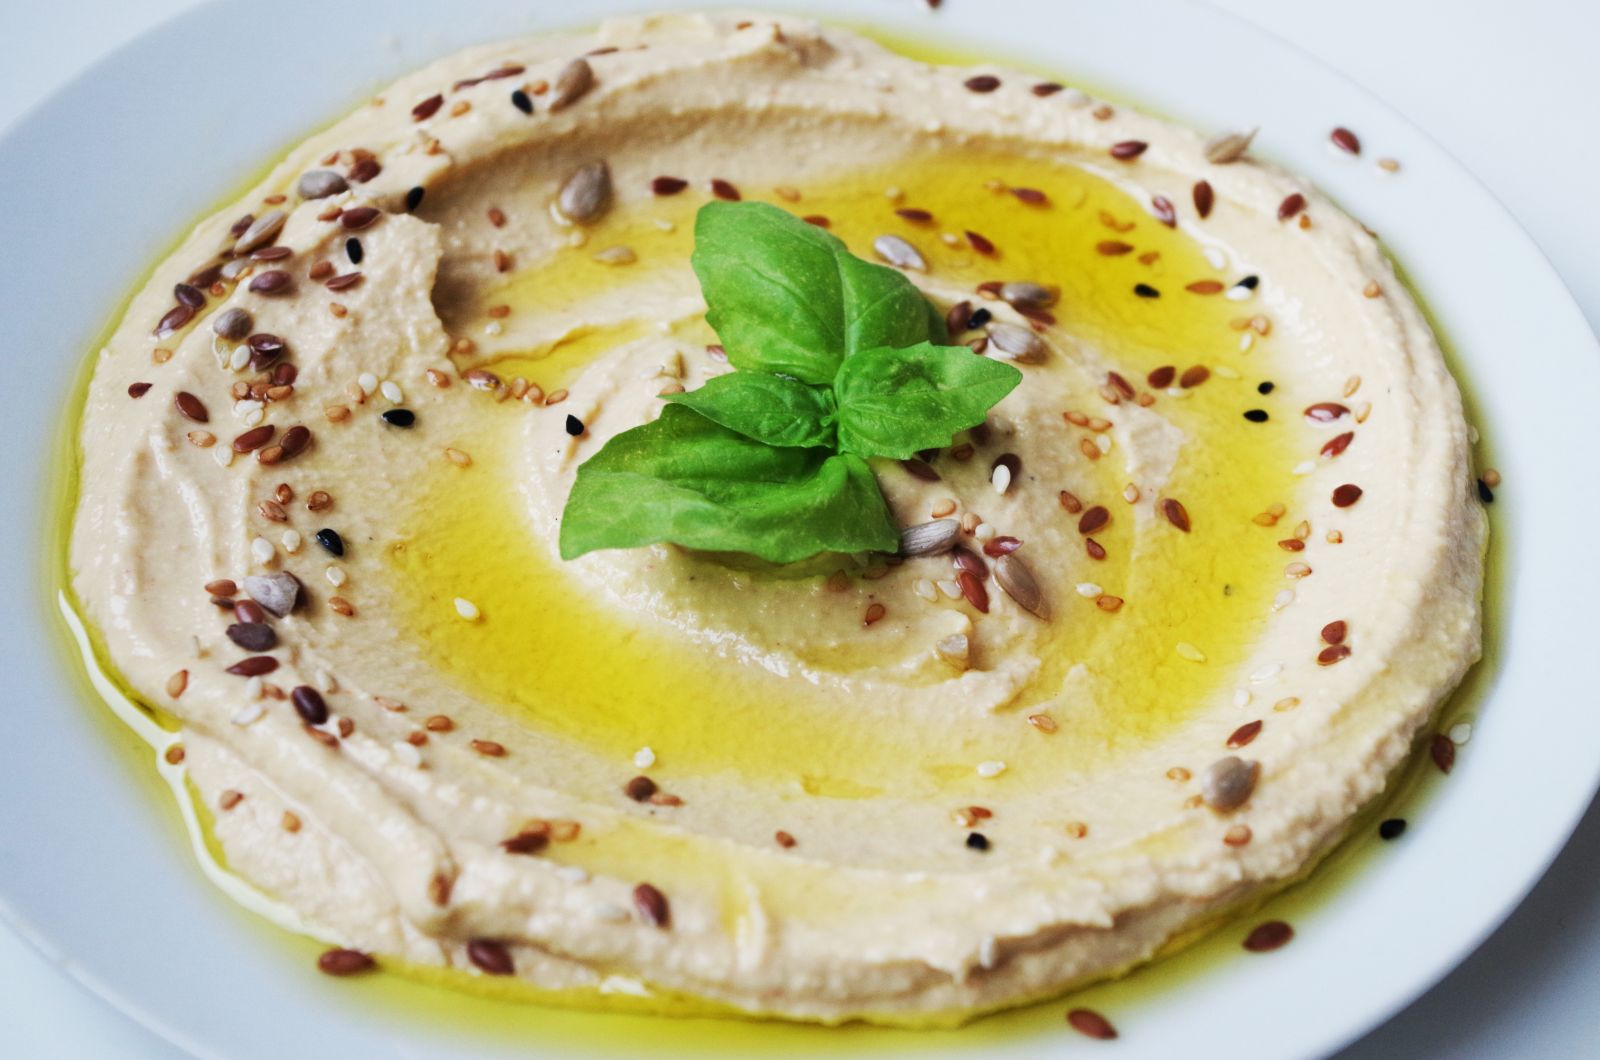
(837, 360)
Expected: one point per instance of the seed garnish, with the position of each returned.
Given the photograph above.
(1091, 1024)
(341, 962)
(652, 905)
(1345, 140)
(490, 957)
(1127, 150)
(1268, 936)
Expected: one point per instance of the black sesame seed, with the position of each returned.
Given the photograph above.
(1144, 290)
(1256, 415)
(399, 417)
(352, 250)
(574, 426)
(1249, 282)
(414, 198)
(520, 99)
(1393, 828)
(1266, 387)
(1485, 494)
(330, 540)
(977, 841)
(979, 318)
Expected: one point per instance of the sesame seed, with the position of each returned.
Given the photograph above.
(990, 769)
(467, 609)
(977, 841)
(521, 101)
(1256, 415)
(391, 391)
(644, 758)
(399, 417)
(574, 426)
(1393, 828)
(1190, 652)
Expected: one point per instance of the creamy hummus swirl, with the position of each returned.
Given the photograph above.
(655, 771)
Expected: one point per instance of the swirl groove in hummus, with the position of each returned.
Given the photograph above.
(1237, 467)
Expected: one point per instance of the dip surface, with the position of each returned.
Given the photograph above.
(1236, 466)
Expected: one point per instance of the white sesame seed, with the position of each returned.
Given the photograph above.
(1460, 732)
(1001, 479)
(1215, 257)
(367, 382)
(665, 225)
(1089, 590)
(1130, 493)
(984, 531)
(949, 587)
(1305, 468)
(261, 550)
(1472, 434)
(991, 769)
(1242, 697)
(245, 406)
(1237, 293)
(1284, 598)
(1222, 371)
(1246, 341)
(924, 588)
(336, 576)
(239, 358)
(610, 912)
(291, 541)
(1267, 673)
(949, 239)
(407, 753)
(222, 454)
(327, 682)
(1177, 392)
(644, 758)
(254, 687)
(254, 417)
(1190, 652)
(391, 391)
(248, 713)
(467, 609)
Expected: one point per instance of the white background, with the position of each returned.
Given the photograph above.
(1510, 90)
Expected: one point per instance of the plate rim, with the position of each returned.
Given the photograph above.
(1470, 941)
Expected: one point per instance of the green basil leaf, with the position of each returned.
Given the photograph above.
(769, 408)
(893, 403)
(882, 307)
(788, 298)
(695, 483)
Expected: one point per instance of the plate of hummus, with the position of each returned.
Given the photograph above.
(957, 529)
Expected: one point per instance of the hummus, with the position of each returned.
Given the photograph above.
(324, 459)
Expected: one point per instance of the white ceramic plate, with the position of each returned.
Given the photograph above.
(93, 867)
